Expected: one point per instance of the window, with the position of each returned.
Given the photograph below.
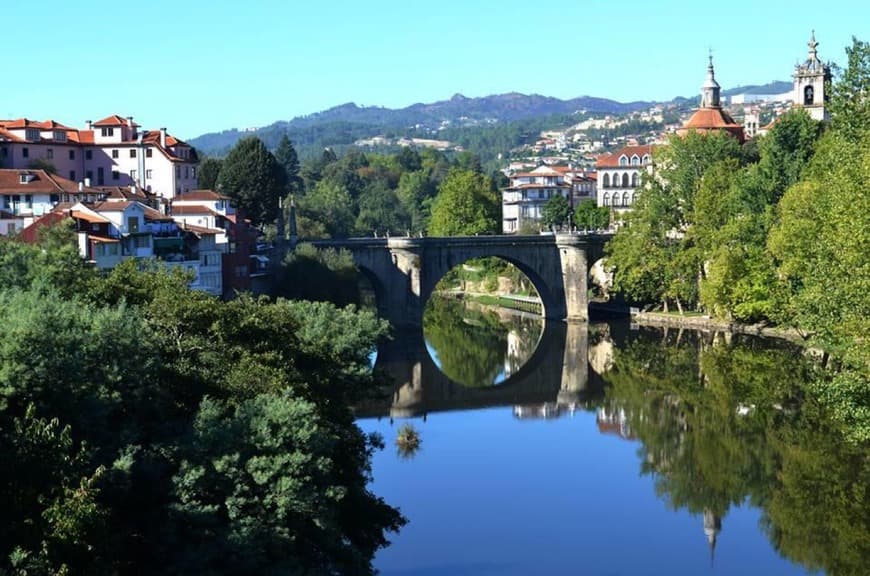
(193, 171)
(114, 153)
(116, 175)
(10, 228)
(634, 180)
(132, 224)
(107, 131)
(625, 180)
(178, 171)
(89, 154)
(100, 178)
(31, 134)
(54, 198)
(72, 175)
(25, 153)
(185, 172)
(635, 161)
(132, 152)
(148, 174)
(808, 96)
(60, 136)
(143, 241)
(606, 181)
(623, 161)
(606, 200)
(49, 154)
(28, 201)
(148, 152)
(132, 174)
(72, 154)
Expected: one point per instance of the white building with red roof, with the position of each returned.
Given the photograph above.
(110, 152)
(620, 174)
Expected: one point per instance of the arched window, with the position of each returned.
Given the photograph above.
(625, 180)
(634, 180)
(808, 96)
(626, 199)
(616, 198)
(645, 160)
(623, 160)
(606, 200)
(607, 181)
(635, 161)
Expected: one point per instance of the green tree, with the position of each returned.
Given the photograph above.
(330, 205)
(416, 191)
(42, 164)
(253, 179)
(381, 210)
(590, 216)
(556, 212)
(849, 106)
(465, 205)
(209, 171)
(285, 155)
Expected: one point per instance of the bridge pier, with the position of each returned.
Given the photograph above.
(575, 270)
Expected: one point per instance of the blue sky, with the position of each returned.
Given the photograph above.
(197, 66)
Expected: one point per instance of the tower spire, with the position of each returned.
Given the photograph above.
(814, 54)
(710, 88)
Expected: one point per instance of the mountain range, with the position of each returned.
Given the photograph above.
(342, 125)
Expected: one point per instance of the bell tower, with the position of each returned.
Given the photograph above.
(809, 83)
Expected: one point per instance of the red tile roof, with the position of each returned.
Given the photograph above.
(30, 234)
(114, 120)
(612, 160)
(41, 183)
(200, 195)
(706, 119)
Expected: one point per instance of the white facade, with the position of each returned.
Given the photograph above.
(620, 175)
(111, 152)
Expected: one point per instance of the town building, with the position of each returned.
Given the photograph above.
(110, 152)
(25, 195)
(620, 175)
(523, 201)
(710, 116)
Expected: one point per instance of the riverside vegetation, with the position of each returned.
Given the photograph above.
(145, 428)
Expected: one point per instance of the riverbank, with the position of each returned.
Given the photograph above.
(705, 323)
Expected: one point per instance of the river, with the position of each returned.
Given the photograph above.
(608, 449)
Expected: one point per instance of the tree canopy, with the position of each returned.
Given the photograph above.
(465, 205)
(253, 179)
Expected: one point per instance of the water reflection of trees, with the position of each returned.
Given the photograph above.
(475, 345)
(725, 422)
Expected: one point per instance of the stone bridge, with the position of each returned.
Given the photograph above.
(405, 270)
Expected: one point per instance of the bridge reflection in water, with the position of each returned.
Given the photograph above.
(554, 380)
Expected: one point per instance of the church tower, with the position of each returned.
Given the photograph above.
(809, 83)
(710, 116)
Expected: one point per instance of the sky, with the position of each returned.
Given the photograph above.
(197, 66)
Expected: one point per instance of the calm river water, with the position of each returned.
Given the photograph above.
(603, 449)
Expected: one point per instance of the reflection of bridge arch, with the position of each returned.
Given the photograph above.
(407, 269)
(556, 372)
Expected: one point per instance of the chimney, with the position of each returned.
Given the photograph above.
(163, 137)
(133, 189)
(132, 128)
(81, 187)
(87, 182)
(88, 124)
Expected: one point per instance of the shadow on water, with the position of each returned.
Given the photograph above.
(554, 378)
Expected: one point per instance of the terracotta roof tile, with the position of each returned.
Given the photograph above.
(612, 160)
